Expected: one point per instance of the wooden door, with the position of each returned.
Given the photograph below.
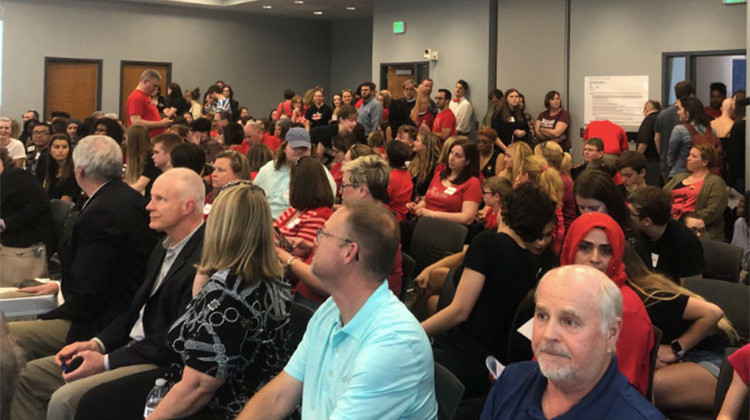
(73, 86)
(397, 75)
(130, 75)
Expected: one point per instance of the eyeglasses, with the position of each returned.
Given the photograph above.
(486, 192)
(348, 241)
(342, 186)
(637, 215)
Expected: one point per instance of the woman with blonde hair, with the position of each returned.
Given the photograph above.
(514, 157)
(140, 172)
(236, 326)
(229, 167)
(385, 98)
(539, 173)
(422, 167)
(553, 152)
(694, 335)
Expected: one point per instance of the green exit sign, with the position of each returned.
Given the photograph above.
(734, 1)
(399, 27)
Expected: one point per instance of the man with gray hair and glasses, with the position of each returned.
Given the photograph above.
(577, 321)
(103, 263)
(140, 109)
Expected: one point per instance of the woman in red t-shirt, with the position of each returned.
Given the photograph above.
(456, 193)
(311, 204)
(400, 186)
(341, 144)
(700, 191)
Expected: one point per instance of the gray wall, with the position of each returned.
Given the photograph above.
(351, 53)
(531, 49)
(259, 56)
(628, 38)
(457, 29)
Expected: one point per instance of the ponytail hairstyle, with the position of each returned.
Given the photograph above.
(543, 176)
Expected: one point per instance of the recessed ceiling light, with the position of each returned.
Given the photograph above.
(267, 7)
(299, 2)
(317, 13)
(351, 8)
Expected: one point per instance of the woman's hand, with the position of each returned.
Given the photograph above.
(481, 214)
(301, 247)
(50, 288)
(412, 207)
(423, 279)
(666, 355)
(423, 212)
(519, 133)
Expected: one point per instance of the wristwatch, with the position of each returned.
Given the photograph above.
(677, 349)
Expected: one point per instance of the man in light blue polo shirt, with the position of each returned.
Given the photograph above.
(363, 356)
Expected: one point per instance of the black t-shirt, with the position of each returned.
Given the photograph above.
(150, 172)
(510, 273)
(66, 186)
(667, 316)
(678, 253)
(646, 136)
(178, 103)
(505, 128)
(489, 168)
(324, 134)
(319, 116)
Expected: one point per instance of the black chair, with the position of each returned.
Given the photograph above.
(732, 298)
(722, 260)
(652, 359)
(435, 239)
(448, 392)
(722, 386)
(407, 279)
(299, 316)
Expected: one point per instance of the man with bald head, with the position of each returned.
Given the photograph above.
(577, 320)
(135, 341)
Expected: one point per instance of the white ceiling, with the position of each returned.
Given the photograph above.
(331, 9)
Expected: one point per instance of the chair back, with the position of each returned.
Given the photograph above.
(448, 392)
(435, 239)
(299, 316)
(722, 260)
(652, 359)
(732, 298)
(407, 268)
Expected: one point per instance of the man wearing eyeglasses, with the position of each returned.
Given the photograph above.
(364, 355)
(38, 153)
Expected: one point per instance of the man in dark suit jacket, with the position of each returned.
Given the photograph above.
(135, 341)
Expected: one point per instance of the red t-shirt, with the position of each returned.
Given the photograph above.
(490, 219)
(306, 225)
(139, 103)
(613, 136)
(713, 113)
(451, 199)
(426, 119)
(271, 141)
(684, 198)
(400, 188)
(241, 148)
(444, 119)
(386, 113)
(338, 176)
(284, 108)
(740, 361)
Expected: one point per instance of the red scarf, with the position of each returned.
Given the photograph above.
(581, 227)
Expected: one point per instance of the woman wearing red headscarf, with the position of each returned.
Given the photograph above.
(595, 239)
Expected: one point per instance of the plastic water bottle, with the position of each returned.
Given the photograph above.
(155, 396)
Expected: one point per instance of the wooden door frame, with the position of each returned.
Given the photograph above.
(124, 63)
(98, 62)
(415, 64)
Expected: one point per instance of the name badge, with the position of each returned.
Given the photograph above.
(206, 208)
(511, 119)
(654, 259)
(450, 191)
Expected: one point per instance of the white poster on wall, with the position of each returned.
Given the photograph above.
(619, 99)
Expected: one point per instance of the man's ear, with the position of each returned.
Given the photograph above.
(613, 333)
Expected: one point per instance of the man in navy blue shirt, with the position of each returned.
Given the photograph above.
(577, 321)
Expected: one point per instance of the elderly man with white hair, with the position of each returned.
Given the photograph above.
(103, 263)
(577, 320)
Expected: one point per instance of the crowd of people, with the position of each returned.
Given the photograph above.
(200, 224)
